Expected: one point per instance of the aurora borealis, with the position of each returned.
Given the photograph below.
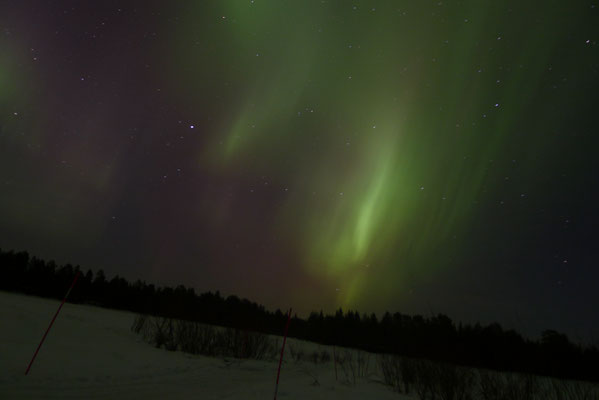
(413, 156)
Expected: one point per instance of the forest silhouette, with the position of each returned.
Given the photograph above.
(435, 338)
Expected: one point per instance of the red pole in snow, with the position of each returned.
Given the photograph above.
(52, 322)
(282, 351)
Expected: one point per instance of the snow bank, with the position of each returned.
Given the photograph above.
(92, 354)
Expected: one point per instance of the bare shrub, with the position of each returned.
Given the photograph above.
(228, 342)
(490, 385)
(399, 372)
(224, 343)
(185, 336)
(544, 390)
(425, 382)
(362, 364)
(276, 344)
(571, 390)
(138, 323)
(297, 353)
(390, 367)
(520, 386)
(257, 346)
(206, 338)
(584, 391)
(325, 356)
(315, 357)
(163, 333)
(348, 367)
(408, 369)
(339, 357)
(530, 386)
(195, 338)
(354, 364)
(453, 382)
(320, 357)
(558, 389)
(243, 344)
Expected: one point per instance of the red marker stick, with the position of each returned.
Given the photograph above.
(282, 351)
(52, 322)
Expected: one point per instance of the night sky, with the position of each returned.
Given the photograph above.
(413, 156)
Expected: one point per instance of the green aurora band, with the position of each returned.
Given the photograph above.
(384, 122)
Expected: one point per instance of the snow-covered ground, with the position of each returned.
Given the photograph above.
(91, 353)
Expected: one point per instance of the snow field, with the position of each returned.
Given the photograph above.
(91, 353)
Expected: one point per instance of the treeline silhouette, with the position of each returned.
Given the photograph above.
(434, 338)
